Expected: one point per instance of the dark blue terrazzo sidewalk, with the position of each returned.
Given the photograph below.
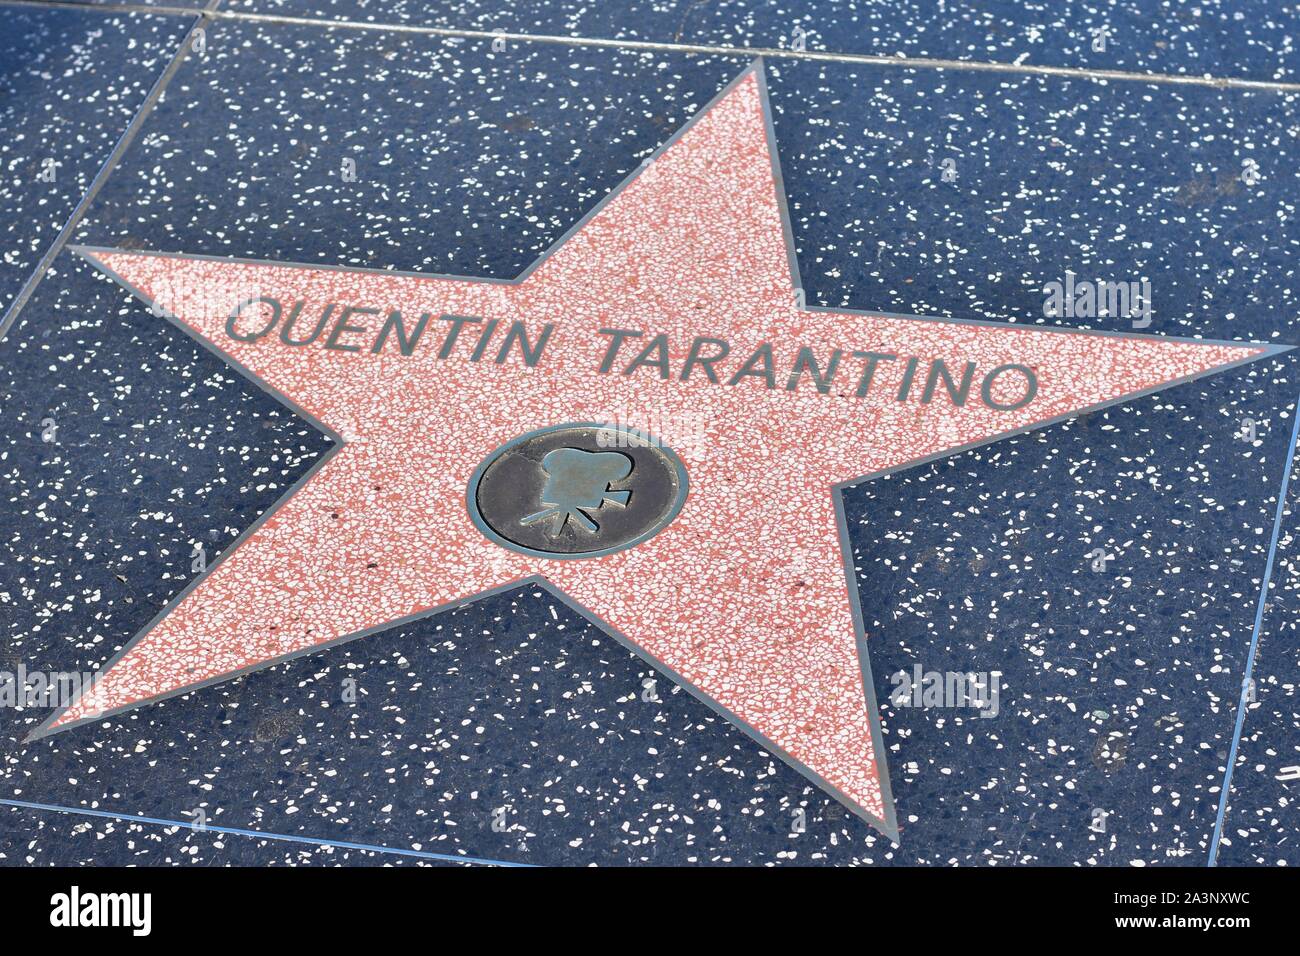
(70, 82)
(1119, 688)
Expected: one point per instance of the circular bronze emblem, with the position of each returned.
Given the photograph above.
(577, 491)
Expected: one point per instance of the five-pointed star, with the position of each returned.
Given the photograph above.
(746, 597)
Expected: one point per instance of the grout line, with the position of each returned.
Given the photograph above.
(748, 52)
(1254, 639)
(259, 834)
(119, 150)
(108, 6)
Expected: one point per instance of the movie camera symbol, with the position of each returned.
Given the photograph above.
(577, 484)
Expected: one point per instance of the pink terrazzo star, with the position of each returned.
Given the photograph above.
(743, 596)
